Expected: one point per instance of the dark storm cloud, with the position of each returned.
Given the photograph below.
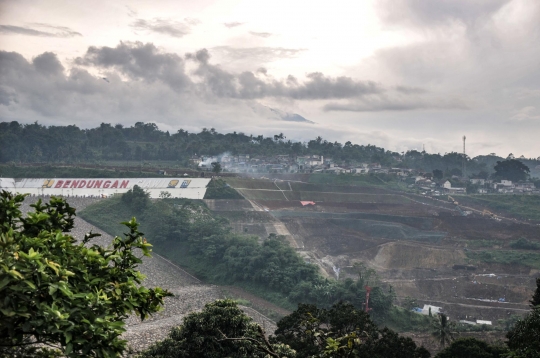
(164, 26)
(41, 85)
(260, 34)
(230, 25)
(138, 61)
(7, 96)
(144, 80)
(47, 63)
(59, 31)
(41, 89)
(247, 86)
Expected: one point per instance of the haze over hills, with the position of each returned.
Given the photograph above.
(145, 141)
(274, 114)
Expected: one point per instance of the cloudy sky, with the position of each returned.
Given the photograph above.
(395, 73)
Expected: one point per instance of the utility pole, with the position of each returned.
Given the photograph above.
(464, 168)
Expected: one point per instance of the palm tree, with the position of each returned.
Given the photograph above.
(442, 329)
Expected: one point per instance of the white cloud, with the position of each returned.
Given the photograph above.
(526, 114)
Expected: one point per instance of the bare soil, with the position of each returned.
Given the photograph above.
(417, 244)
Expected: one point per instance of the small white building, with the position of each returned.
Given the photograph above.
(479, 321)
(447, 185)
(434, 310)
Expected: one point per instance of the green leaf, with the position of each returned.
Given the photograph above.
(4, 282)
(30, 284)
(69, 348)
(68, 336)
(15, 273)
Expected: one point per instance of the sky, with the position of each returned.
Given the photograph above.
(401, 74)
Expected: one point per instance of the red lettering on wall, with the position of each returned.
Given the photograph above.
(82, 183)
(59, 184)
(97, 184)
(91, 184)
(74, 184)
(124, 184)
(107, 184)
(66, 184)
(115, 184)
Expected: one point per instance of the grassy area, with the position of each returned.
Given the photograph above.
(251, 183)
(274, 194)
(107, 215)
(219, 189)
(509, 257)
(350, 179)
(521, 206)
(476, 244)
(47, 171)
(246, 216)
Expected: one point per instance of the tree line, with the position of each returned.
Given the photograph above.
(34, 142)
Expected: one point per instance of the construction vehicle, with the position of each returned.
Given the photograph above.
(490, 214)
(454, 201)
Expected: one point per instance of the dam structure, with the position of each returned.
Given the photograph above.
(182, 187)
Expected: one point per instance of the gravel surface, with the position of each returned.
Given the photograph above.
(190, 294)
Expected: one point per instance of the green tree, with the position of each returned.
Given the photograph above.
(472, 348)
(216, 167)
(136, 198)
(511, 169)
(535, 301)
(341, 331)
(472, 188)
(164, 194)
(60, 293)
(523, 339)
(438, 174)
(443, 329)
(409, 303)
(220, 330)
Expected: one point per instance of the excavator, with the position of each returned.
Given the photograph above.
(454, 201)
(490, 214)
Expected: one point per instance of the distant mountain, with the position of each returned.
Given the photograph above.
(289, 117)
(277, 114)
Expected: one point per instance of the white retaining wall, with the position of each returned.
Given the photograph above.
(191, 188)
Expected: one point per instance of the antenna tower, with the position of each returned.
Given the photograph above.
(464, 169)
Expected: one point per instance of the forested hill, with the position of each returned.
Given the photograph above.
(145, 141)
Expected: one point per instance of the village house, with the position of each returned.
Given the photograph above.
(478, 181)
(447, 188)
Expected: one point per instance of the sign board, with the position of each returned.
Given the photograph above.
(192, 188)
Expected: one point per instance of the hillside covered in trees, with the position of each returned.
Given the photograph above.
(27, 143)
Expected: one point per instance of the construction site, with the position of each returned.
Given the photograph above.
(436, 251)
